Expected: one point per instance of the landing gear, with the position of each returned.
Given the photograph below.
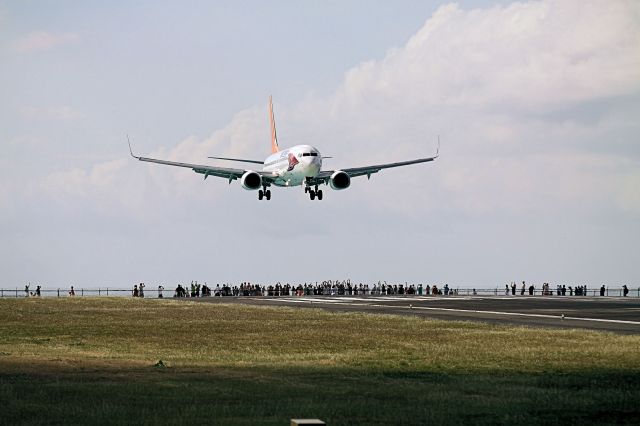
(313, 193)
(266, 193)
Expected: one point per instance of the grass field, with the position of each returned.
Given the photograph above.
(93, 361)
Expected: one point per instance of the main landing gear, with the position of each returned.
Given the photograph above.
(313, 193)
(264, 193)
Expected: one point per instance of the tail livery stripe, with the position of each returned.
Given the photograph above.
(272, 121)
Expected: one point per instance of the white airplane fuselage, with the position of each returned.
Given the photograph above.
(294, 165)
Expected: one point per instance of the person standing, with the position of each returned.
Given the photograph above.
(141, 289)
(72, 292)
(160, 290)
(625, 290)
(135, 290)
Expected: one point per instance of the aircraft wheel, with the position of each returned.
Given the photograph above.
(260, 194)
(319, 193)
(268, 194)
(312, 195)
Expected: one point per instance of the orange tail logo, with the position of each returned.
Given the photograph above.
(272, 121)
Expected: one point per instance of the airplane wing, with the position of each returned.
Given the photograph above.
(324, 175)
(369, 170)
(223, 172)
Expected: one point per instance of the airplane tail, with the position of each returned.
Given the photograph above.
(272, 121)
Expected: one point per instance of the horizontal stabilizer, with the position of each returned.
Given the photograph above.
(242, 160)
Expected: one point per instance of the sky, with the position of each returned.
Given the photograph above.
(536, 104)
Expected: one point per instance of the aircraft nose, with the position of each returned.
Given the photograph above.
(314, 166)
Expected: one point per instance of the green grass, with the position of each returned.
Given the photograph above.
(91, 361)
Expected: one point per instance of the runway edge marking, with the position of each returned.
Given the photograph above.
(523, 315)
(334, 302)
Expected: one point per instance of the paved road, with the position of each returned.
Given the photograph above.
(619, 315)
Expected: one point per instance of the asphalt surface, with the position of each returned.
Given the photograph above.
(618, 315)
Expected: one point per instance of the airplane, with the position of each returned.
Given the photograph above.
(296, 166)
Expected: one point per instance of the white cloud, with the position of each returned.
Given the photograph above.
(491, 80)
(42, 40)
(79, 182)
(526, 55)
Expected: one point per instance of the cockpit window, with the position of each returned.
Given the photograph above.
(309, 154)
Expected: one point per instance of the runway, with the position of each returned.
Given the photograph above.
(619, 315)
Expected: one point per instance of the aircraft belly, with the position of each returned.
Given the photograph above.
(289, 179)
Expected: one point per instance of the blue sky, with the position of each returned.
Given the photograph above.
(536, 102)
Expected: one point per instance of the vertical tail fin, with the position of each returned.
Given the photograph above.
(272, 121)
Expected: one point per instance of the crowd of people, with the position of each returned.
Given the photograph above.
(560, 290)
(326, 288)
(197, 290)
(347, 288)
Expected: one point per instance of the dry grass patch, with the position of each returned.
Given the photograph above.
(199, 334)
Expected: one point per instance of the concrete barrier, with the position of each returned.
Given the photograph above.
(306, 422)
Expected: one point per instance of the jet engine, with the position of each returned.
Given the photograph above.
(339, 180)
(251, 180)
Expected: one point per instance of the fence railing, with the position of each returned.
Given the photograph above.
(154, 294)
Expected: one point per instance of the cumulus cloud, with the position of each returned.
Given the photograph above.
(527, 55)
(494, 82)
(42, 40)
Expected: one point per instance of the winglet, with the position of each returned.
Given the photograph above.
(438, 150)
(272, 122)
(130, 150)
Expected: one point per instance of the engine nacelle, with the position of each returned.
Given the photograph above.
(339, 180)
(251, 180)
